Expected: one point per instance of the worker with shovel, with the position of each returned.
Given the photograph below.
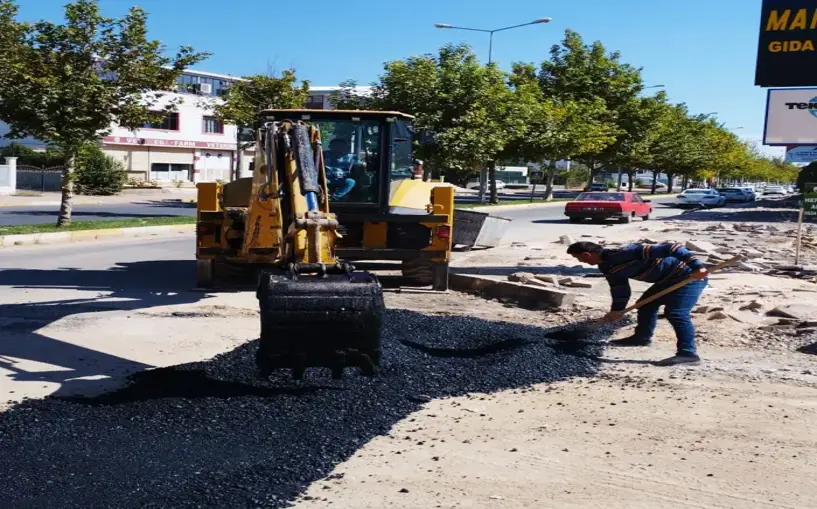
(664, 265)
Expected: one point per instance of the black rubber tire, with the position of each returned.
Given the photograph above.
(627, 219)
(205, 273)
(646, 217)
(418, 271)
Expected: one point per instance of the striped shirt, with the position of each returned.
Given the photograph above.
(644, 262)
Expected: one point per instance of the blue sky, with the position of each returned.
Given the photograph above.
(703, 51)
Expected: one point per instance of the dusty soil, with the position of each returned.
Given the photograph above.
(734, 432)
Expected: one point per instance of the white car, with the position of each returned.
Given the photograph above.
(700, 198)
(474, 184)
(735, 194)
(775, 191)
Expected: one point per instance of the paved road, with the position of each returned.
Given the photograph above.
(47, 214)
(42, 214)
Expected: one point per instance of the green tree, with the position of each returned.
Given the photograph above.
(577, 71)
(244, 99)
(467, 107)
(69, 84)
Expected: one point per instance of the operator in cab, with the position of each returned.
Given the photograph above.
(664, 265)
(339, 163)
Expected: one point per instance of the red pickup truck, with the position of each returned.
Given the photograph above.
(599, 206)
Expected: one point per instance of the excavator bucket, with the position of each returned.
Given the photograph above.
(316, 311)
(331, 321)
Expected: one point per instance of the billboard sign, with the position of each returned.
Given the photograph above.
(804, 154)
(791, 117)
(787, 44)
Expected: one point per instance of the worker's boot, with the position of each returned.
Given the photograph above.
(688, 359)
(630, 341)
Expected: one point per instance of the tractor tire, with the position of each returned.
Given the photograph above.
(205, 273)
(418, 271)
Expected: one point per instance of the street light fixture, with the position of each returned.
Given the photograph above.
(491, 32)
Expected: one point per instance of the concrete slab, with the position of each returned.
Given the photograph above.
(526, 296)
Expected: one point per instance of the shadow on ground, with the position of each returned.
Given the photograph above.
(211, 435)
(136, 286)
(176, 203)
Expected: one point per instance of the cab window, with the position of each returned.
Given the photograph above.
(402, 163)
(351, 153)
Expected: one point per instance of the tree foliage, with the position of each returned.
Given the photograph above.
(68, 84)
(244, 99)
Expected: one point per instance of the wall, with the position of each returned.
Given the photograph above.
(8, 176)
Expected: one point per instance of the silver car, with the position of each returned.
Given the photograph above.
(700, 198)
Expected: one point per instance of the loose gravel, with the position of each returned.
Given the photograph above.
(212, 435)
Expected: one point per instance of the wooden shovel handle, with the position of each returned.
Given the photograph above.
(676, 286)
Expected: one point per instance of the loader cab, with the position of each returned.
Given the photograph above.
(364, 152)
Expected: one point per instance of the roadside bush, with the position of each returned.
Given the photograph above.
(610, 184)
(98, 173)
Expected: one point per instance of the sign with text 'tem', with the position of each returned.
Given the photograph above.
(787, 44)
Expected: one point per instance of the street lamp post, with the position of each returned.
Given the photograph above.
(483, 172)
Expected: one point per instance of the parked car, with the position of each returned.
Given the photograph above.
(597, 186)
(700, 198)
(751, 192)
(735, 194)
(775, 191)
(600, 206)
(474, 184)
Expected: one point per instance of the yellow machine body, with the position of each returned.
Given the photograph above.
(392, 216)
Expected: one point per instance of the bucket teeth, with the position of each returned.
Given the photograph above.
(331, 322)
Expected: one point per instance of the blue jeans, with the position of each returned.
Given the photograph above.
(677, 308)
(341, 187)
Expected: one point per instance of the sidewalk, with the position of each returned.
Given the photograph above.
(127, 196)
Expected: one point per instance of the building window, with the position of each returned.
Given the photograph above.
(170, 123)
(314, 102)
(213, 126)
(170, 171)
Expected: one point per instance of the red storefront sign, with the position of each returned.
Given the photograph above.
(155, 142)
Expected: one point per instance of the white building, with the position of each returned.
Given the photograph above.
(189, 145)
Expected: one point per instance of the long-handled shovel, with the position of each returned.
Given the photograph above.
(581, 331)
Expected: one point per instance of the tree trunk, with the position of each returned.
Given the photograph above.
(630, 175)
(551, 176)
(620, 179)
(654, 181)
(670, 178)
(483, 182)
(66, 205)
(684, 182)
(492, 181)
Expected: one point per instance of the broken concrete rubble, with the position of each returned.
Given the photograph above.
(701, 246)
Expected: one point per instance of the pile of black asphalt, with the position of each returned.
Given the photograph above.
(213, 435)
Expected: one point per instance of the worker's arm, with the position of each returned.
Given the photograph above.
(620, 291)
(652, 252)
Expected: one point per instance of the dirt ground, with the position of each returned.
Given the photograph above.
(735, 432)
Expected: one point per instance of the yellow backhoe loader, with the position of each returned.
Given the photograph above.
(317, 310)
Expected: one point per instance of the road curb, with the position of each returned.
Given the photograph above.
(10, 241)
(526, 296)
